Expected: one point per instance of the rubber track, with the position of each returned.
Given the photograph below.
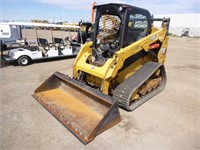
(124, 91)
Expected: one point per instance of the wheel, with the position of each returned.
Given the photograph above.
(24, 60)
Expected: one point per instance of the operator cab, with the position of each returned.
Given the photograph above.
(117, 26)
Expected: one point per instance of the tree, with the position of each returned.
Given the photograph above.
(39, 21)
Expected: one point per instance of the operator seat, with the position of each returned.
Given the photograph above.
(43, 45)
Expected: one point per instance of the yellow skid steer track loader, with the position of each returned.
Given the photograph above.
(122, 66)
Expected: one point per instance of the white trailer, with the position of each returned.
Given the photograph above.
(10, 33)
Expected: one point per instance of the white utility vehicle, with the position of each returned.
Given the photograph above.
(26, 52)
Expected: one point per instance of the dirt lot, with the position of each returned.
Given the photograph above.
(168, 121)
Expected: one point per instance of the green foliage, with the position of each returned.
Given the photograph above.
(39, 21)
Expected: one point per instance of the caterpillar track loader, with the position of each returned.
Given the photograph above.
(123, 66)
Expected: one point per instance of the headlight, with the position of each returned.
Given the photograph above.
(11, 54)
(163, 50)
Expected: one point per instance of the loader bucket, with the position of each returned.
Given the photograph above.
(82, 109)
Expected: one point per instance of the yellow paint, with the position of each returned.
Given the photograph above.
(109, 70)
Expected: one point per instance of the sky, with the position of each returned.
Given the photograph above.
(75, 10)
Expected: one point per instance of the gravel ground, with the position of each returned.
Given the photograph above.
(168, 121)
